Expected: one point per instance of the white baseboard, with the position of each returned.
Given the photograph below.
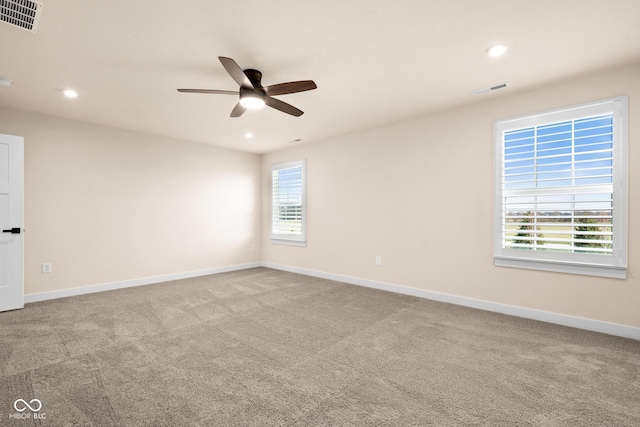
(528, 313)
(43, 296)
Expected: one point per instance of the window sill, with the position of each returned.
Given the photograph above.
(300, 243)
(559, 267)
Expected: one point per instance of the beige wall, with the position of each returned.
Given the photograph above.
(419, 194)
(105, 205)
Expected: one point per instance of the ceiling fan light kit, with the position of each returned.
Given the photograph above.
(251, 100)
(252, 95)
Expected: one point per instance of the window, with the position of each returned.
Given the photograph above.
(288, 203)
(561, 189)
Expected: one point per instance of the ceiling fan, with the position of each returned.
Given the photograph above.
(252, 94)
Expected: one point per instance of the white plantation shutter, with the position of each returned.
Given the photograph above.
(560, 197)
(288, 203)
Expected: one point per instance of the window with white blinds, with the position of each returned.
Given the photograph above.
(560, 197)
(288, 203)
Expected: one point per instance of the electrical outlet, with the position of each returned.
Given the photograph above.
(378, 260)
(46, 267)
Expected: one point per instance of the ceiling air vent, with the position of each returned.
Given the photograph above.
(489, 89)
(21, 13)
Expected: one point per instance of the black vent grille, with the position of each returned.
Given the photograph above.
(21, 13)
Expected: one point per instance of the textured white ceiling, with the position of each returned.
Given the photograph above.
(374, 61)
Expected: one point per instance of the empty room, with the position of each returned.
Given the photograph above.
(319, 213)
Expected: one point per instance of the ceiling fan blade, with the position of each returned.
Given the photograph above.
(235, 71)
(282, 106)
(222, 92)
(290, 87)
(238, 110)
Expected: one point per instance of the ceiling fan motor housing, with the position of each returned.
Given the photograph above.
(253, 98)
(255, 77)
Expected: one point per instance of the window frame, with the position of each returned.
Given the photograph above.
(289, 239)
(614, 265)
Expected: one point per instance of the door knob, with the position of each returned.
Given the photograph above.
(14, 230)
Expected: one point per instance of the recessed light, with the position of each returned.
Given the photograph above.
(5, 82)
(497, 50)
(294, 141)
(248, 135)
(70, 93)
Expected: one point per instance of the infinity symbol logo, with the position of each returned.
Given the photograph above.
(28, 405)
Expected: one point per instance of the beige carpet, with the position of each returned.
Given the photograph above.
(263, 348)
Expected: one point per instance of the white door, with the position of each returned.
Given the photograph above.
(11, 222)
